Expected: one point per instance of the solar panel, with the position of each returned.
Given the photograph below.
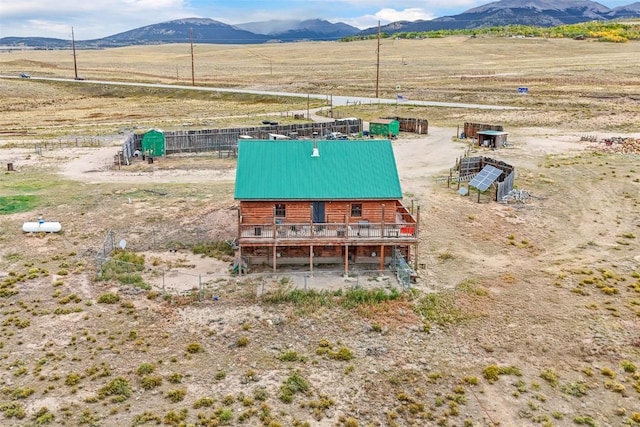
(485, 177)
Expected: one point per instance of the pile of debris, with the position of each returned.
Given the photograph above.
(517, 196)
(620, 145)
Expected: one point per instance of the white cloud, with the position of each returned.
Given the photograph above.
(386, 16)
(413, 14)
(90, 19)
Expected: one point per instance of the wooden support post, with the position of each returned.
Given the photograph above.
(346, 222)
(239, 265)
(415, 257)
(311, 258)
(346, 259)
(381, 257)
(275, 250)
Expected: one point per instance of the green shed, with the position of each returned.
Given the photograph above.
(153, 143)
(384, 127)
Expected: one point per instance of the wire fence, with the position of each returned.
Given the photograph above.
(140, 278)
(139, 275)
(70, 142)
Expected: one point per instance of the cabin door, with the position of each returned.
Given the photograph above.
(318, 212)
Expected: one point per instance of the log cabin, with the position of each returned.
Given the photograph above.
(311, 202)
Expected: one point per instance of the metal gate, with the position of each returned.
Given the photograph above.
(402, 269)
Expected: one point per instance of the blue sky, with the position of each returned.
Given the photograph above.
(100, 18)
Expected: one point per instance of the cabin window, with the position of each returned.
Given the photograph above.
(356, 209)
(281, 210)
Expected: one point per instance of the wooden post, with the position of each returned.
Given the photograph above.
(275, 250)
(382, 257)
(311, 258)
(346, 222)
(239, 266)
(415, 264)
(275, 225)
(346, 259)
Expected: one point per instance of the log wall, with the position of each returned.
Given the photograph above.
(335, 211)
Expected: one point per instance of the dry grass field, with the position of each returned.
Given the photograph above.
(523, 315)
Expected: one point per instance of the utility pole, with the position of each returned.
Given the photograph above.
(73, 46)
(193, 75)
(378, 61)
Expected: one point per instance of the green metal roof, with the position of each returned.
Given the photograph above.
(344, 170)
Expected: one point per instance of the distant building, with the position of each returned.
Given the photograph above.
(492, 138)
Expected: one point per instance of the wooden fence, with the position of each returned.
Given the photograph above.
(419, 126)
(225, 141)
(471, 129)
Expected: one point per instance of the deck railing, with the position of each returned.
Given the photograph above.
(328, 231)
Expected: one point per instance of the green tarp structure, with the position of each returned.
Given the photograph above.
(384, 127)
(153, 143)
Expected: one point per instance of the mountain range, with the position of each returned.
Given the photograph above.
(545, 13)
(542, 13)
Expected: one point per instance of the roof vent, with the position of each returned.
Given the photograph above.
(316, 152)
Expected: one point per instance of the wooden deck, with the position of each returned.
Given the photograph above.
(335, 233)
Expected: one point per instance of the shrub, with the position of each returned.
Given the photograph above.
(174, 418)
(175, 378)
(226, 415)
(72, 379)
(295, 383)
(608, 372)
(43, 416)
(219, 249)
(492, 372)
(242, 341)
(203, 402)
(119, 389)
(576, 389)
(550, 376)
(176, 395)
(145, 368)
(343, 353)
(108, 298)
(194, 347)
(13, 410)
(144, 418)
(628, 366)
(289, 356)
(149, 382)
